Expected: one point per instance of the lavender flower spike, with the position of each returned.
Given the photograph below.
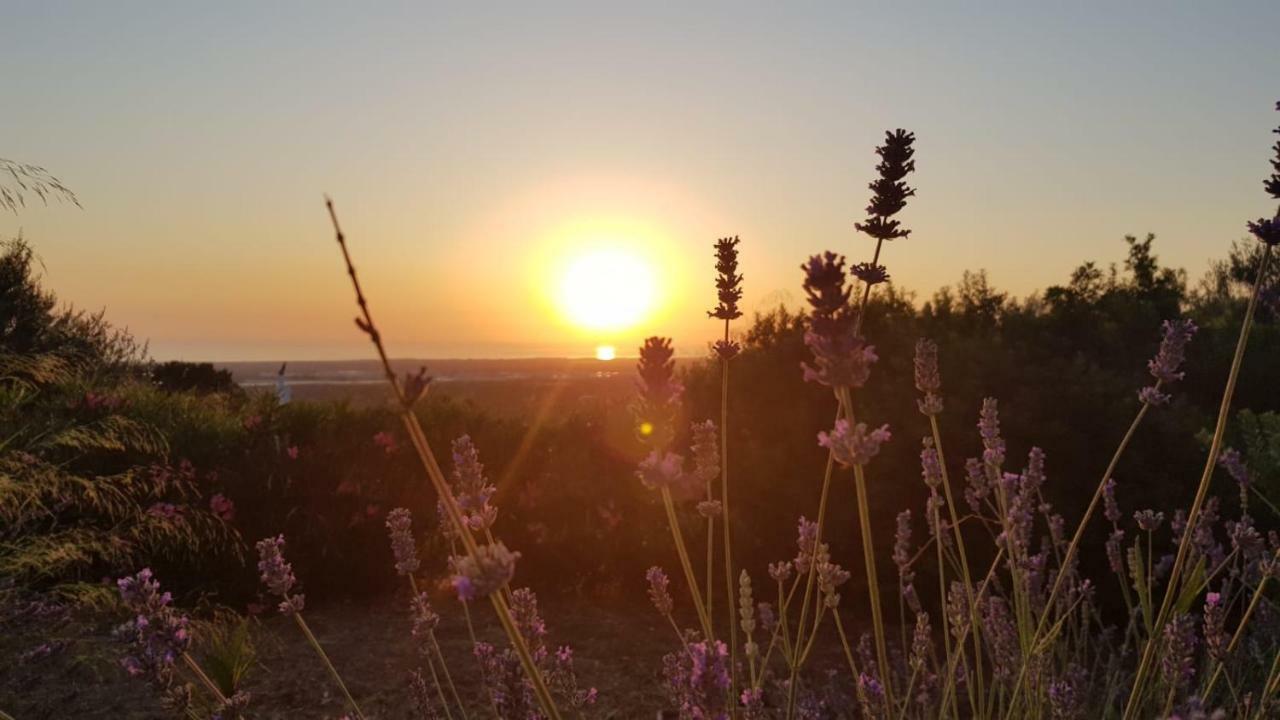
(841, 358)
(659, 591)
(477, 577)
(928, 379)
(277, 574)
(889, 191)
(400, 527)
(854, 445)
(1166, 366)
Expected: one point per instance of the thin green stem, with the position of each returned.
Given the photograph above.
(689, 575)
(324, 658)
(809, 581)
(731, 599)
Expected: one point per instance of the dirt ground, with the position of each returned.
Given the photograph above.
(55, 665)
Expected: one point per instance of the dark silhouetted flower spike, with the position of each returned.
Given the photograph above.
(890, 191)
(659, 392)
(728, 281)
(1266, 230)
(841, 358)
(1272, 184)
(870, 273)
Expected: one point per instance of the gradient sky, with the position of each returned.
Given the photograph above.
(470, 148)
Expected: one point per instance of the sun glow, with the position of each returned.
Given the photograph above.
(606, 352)
(607, 289)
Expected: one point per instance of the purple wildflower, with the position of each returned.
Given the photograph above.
(400, 528)
(1272, 183)
(902, 547)
(921, 643)
(1232, 461)
(472, 490)
(806, 544)
(477, 577)
(1110, 508)
(425, 619)
(781, 571)
(928, 379)
(930, 465)
(841, 358)
(659, 592)
(277, 574)
(870, 696)
(661, 470)
(706, 452)
(747, 611)
(854, 445)
(989, 429)
(697, 678)
(1002, 638)
(1215, 635)
(710, 509)
(158, 635)
(1149, 520)
(1166, 366)
(1178, 660)
(659, 392)
(768, 619)
(1115, 555)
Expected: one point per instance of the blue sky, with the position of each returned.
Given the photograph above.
(464, 145)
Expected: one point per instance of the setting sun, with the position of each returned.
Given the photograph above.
(606, 289)
(606, 352)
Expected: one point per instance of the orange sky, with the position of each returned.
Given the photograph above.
(471, 152)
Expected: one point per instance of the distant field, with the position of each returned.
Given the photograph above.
(504, 388)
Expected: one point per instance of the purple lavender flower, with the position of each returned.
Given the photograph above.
(1115, 555)
(157, 634)
(400, 528)
(706, 452)
(768, 619)
(728, 281)
(277, 574)
(425, 619)
(659, 592)
(989, 429)
(710, 509)
(1110, 508)
(472, 490)
(930, 465)
(921, 643)
(830, 577)
(841, 358)
(853, 445)
(889, 191)
(870, 696)
(697, 678)
(902, 548)
(477, 577)
(1178, 659)
(1149, 520)
(1166, 366)
(661, 470)
(806, 543)
(781, 571)
(958, 610)
(1001, 636)
(928, 379)
(1215, 634)
(1065, 697)
(659, 392)
(977, 487)
(1232, 461)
